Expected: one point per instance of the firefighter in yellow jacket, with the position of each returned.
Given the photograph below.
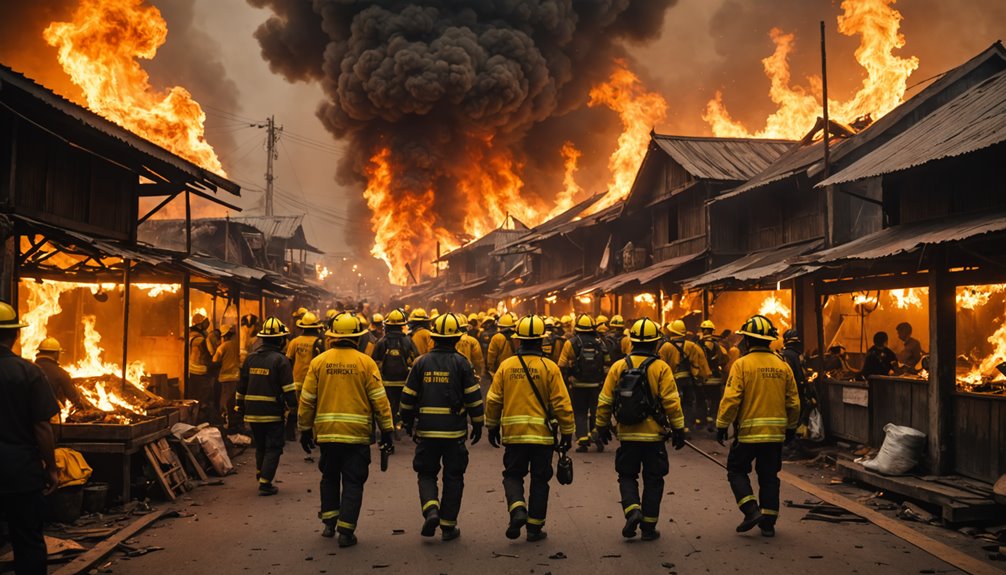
(469, 347)
(300, 351)
(501, 346)
(342, 394)
(762, 403)
(419, 330)
(690, 367)
(640, 392)
(525, 414)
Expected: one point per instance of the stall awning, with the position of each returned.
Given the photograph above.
(766, 265)
(641, 276)
(544, 288)
(910, 237)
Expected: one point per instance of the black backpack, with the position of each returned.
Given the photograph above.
(589, 363)
(714, 357)
(633, 400)
(615, 345)
(395, 364)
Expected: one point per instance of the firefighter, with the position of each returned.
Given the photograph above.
(566, 326)
(443, 390)
(265, 392)
(342, 395)
(202, 382)
(300, 351)
(228, 357)
(762, 403)
(474, 329)
(792, 354)
(584, 361)
(717, 359)
(601, 324)
(487, 331)
(501, 346)
(469, 347)
(551, 345)
(374, 334)
(419, 330)
(654, 412)
(394, 355)
(48, 361)
(520, 417)
(690, 367)
(619, 345)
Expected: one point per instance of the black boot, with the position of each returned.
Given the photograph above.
(431, 523)
(347, 539)
(535, 534)
(767, 526)
(265, 489)
(752, 516)
(518, 518)
(632, 521)
(329, 530)
(649, 532)
(449, 533)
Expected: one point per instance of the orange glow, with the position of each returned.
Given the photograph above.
(100, 50)
(775, 309)
(973, 297)
(570, 189)
(646, 299)
(905, 298)
(877, 23)
(640, 111)
(970, 298)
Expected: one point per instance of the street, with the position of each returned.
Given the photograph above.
(233, 530)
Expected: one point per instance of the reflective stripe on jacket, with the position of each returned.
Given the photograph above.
(443, 389)
(342, 393)
(760, 398)
(512, 405)
(662, 389)
(265, 388)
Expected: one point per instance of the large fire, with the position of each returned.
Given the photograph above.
(774, 308)
(971, 298)
(878, 24)
(570, 189)
(99, 49)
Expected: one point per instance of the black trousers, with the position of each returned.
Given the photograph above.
(453, 456)
(227, 402)
(708, 396)
(518, 460)
(767, 459)
(25, 520)
(651, 458)
(394, 398)
(205, 390)
(584, 401)
(344, 470)
(269, 443)
(689, 399)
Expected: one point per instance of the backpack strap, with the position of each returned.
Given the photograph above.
(658, 412)
(537, 394)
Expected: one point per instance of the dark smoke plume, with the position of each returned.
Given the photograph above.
(446, 82)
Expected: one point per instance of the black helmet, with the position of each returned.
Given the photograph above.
(791, 335)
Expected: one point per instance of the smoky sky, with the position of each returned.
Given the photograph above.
(434, 80)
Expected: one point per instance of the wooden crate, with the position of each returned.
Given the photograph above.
(979, 435)
(107, 431)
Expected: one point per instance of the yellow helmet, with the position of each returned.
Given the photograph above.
(549, 322)
(50, 344)
(677, 327)
(8, 317)
(481, 315)
(584, 323)
(418, 314)
(707, 324)
(566, 320)
(617, 321)
(507, 320)
(463, 321)
(395, 317)
(377, 319)
(198, 318)
(530, 327)
(273, 327)
(601, 320)
(345, 325)
(309, 321)
(644, 330)
(446, 326)
(759, 327)
(331, 313)
(299, 313)
(434, 313)
(363, 319)
(473, 317)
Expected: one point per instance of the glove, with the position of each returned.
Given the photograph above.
(476, 433)
(307, 440)
(677, 438)
(387, 438)
(721, 435)
(565, 442)
(494, 437)
(603, 434)
(790, 436)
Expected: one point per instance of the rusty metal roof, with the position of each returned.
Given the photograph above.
(770, 264)
(731, 159)
(973, 121)
(641, 276)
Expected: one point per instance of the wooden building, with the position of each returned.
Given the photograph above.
(471, 269)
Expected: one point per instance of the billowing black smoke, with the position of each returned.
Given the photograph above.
(441, 82)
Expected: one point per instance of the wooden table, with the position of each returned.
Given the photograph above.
(125, 449)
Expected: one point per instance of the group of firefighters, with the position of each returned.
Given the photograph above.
(546, 381)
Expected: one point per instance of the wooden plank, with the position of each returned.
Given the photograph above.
(158, 473)
(82, 563)
(941, 551)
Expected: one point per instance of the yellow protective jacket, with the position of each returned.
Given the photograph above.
(228, 355)
(501, 347)
(696, 357)
(300, 352)
(512, 405)
(342, 394)
(71, 467)
(469, 347)
(422, 339)
(761, 398)
(662, 389)
(716, 358)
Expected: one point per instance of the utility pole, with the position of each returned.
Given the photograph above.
(272, 153)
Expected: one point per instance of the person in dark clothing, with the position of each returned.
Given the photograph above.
(880, 359)
(265, 392)
(48, 361)
(394, 355)
(443, 390)
(27, 448)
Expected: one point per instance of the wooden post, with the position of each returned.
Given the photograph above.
(705, 303)
(942, 368)
(126, 282)
(186, 301)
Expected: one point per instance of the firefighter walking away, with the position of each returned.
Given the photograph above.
(584, 361)
(341, 396)
(761, 402)
(443, 390)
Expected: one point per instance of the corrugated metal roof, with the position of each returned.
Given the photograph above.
(909, 237)
(494, 239)
(282, 227)
(973, 121)
(756, 266)
(732, 159)
(549, 228)
(641, 276)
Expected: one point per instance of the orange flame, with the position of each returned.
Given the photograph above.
(99, 49)
(973, 297)
(639, 110)
(570, 190)
(906, 298)
(645, 298)
(774, 308)
(878, 23)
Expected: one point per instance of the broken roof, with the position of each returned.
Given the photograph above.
(731, 159)
(564, 222)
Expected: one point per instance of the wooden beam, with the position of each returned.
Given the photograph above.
(158, 207)
(84, 562)
(942, 365)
